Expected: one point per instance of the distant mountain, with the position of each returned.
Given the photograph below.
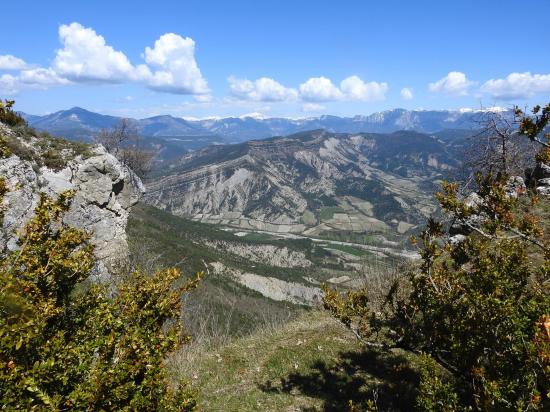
(74, 124)
(79, 123)
(169, 126)
(311, 183)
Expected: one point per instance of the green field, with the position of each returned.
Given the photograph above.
(327, 213)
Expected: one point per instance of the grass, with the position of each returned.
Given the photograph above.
(310, 364)
(261, 237)
(327, 213)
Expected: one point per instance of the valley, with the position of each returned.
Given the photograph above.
(315, 184)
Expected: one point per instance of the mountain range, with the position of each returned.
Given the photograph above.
(310, 183)
(78, 123)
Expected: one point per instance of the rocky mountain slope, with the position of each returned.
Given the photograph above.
(105, 189)
(309, 183)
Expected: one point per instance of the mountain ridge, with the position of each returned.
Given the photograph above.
(81, 123)
(309, 183)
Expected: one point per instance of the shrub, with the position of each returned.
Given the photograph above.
(8, 116)
(477, 305)
(64, 346)
(5, 151)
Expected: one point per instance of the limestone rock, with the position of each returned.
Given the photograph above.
(105, 192)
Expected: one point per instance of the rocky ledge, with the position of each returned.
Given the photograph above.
(105, 191)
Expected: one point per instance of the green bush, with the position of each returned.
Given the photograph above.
(477, 306)
(64, 346)
(8, 116)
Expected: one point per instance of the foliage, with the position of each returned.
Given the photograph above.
(435, 393)
(67, 347)
(477, 305)
(5, 151)
(40, 147)
(8, 116)
(534, 126)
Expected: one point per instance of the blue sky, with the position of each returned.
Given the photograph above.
(279, 58)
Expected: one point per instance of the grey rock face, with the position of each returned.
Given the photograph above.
(541, 171)
(105, 192)
(515, 187)
(540, 178)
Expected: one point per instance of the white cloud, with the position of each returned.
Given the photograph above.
(9, 84)
(313, 90)
(406, 93)
(263, 89)
(32, 78)
(178, 72)
(41, 78)
(517, 85)
(455, 83)
(356, 89)
(319, 89)
(85, 57)
(313, 107)
(9, 62)
(203, 98)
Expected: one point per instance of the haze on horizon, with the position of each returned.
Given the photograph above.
(280, 59)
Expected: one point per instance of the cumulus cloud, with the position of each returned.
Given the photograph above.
(319, 89)
(9, 84)
(356, 89)
(517, 85)
(406, 93)
(9, 62)
(455, 84)
(178, 72)
(41, 78)
(263, 89)
(313, 107)
(86, 57)
(313, 90)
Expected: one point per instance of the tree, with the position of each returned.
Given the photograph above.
(123, 142)
(497, 146)
(478, 304)
(70, 345)
(8, 116)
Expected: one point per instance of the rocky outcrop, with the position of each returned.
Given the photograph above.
(105, 192)
(540, 178)
(266, 254)
(270, 287)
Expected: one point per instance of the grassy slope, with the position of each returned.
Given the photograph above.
(309, 364)
(218, 307)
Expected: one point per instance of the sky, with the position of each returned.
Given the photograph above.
(278, 58)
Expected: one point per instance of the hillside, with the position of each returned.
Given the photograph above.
(312, 183)
(309, 364)
(250, 280)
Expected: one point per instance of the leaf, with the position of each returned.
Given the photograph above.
(19, 344)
